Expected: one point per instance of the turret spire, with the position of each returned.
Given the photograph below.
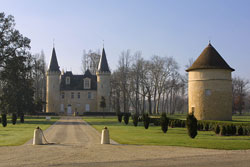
(103, 63)
(53, 62)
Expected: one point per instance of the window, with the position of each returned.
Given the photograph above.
(78, 95)
(207, 92)
(72, 95)
(87, 83)
(62, 95)
(87, 108)
(89, 95)
(67, 80)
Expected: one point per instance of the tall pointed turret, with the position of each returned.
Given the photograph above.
(53, 85)
(103, 82)
(53, 62)
(103, 63)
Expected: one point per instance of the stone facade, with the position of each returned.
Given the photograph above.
(69, 94)
(210, 94)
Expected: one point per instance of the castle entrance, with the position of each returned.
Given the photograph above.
(69, 110)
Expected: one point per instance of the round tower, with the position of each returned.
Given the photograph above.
(210, 86)
(103, 83)
(53, 85)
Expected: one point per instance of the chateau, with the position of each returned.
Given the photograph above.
(69, 94)
(210, 86)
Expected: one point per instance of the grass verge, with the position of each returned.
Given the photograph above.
(20, 133)
(128, 134)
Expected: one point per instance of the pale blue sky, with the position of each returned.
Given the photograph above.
(178, 28)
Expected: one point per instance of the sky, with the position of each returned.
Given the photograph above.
(173, 28)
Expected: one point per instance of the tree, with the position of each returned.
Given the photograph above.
(164, 122)
(103, 104)
(90, 61)
(240, 88)
(15, 73)
(191, 125)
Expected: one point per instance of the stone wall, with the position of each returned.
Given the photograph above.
(210, 94)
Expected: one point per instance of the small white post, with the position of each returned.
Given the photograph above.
(105, 136)
(37, 139)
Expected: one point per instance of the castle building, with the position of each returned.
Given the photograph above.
(210, 86)
(68, 94)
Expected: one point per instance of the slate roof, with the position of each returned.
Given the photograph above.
(103, 63)
(209, 59)
(76, 81)
(53, 62)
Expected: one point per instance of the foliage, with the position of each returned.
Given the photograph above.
(22, 117)
(4, 120)
(240, 131)
(119, 116)
(146, 120)
(217, 129)
(14, 118)
(191, 125)
(135, 118)
(126, 118)
(223, 131)
(164, 122)
(15, 62)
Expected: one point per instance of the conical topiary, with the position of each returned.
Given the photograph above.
(146, 120)
(4, 120)
(164, 122)
(14, 118)
(191, 125)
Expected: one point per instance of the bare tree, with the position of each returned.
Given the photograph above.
(240, 88)
(90, 61)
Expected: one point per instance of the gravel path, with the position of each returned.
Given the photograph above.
(78, 145)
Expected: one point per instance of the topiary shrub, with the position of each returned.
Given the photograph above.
(229, 130)
(223, 130)
(22, 117)
(0, 120)
(119, 117)
(14, 118)
(135, 118)
(217, 129)
(146, 120)
(206, 126)
(4, 120)
(234, 129)
(240, 131)
(164, 122)
(191, 125)
(126, 118)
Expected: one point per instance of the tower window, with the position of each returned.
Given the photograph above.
(86, 83)
(78, 95)
(89, 95)
(72, 95)
(62, 95)
(207, 92)
(67, 80)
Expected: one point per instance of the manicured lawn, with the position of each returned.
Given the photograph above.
(128, 134)
(22, 132)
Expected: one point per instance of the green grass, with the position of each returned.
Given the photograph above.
(128, 134)
(18, 134)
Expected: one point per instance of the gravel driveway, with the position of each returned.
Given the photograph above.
(78, 145)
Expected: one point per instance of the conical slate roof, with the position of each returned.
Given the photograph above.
(103, 63)
(53, 62)
(209, 59)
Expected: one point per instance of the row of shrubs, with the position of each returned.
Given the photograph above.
(3, 119)
(221, 128)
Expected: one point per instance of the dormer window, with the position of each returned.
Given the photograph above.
(86, 83)
(67, 80)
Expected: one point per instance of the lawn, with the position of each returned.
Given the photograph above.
(128, 134)
(18, 134)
